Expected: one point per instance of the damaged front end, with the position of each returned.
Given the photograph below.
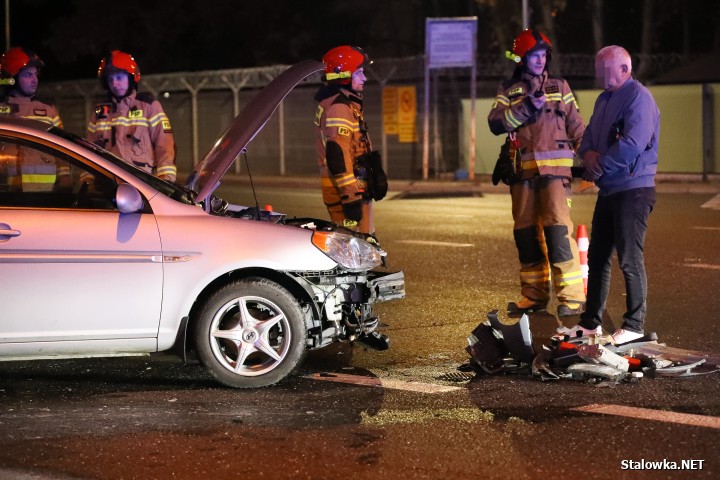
(343, 298)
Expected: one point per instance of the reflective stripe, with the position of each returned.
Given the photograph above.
(342, 122)
(336, 76)
(38, 178)
(554, 162)
(534, 164)
(119, 121)
(535, 276)
(569, 278)
(511, 120)
(166, 170)
(156, 119)
(345, 180)
(54, 121)
(503, 100)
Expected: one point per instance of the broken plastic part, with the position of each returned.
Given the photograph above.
(484, 346)
(595, 370)
(540, 368)
(678, 370)
(599, 354)
(517, 337)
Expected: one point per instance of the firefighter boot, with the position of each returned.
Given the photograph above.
(567, 309)
(525, 305)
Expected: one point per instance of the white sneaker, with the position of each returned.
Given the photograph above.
(625, 336)
(576, 332)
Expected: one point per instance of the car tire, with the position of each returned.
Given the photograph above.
(251, 333)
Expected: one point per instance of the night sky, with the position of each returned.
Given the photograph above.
(187, 35)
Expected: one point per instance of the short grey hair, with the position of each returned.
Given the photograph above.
(617, 53)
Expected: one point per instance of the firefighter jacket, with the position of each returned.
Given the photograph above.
(23, 168)
(546, 137)
(341, 138)
(136, 129)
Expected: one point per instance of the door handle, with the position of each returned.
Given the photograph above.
(8, 233)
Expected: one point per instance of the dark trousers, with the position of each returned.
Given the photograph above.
(618, 225)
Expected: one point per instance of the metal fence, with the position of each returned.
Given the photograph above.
(201, 104)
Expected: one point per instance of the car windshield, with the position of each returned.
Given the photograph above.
(166, 188)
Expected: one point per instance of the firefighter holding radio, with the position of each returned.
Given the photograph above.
(539, 114)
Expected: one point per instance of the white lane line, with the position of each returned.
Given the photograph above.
(436, 244)
(713, 203)
(382, 383)
(706, 228)
(706, 266)
(650, 414)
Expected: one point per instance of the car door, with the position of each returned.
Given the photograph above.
(72, 267)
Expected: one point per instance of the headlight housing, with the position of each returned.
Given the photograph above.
(352, 253)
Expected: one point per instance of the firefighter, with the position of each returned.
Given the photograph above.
(130, 124)
(28, 170)
(539, 114)
(342, 139)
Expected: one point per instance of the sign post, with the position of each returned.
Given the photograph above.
(450, 42)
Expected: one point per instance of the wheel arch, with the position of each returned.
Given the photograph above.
(184, 341)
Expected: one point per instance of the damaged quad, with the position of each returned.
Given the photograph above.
(496, 347)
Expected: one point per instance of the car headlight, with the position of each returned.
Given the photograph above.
(352, 253)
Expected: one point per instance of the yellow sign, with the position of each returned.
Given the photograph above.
(390, 110)
(407, 114)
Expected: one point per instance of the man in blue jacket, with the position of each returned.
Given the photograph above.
(620, 154)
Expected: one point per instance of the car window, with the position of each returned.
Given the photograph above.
(166, 188)
(33, 175)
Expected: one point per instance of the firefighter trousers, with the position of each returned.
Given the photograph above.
(543, 237)
(334, 206)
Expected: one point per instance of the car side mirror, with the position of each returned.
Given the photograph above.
(128, 199)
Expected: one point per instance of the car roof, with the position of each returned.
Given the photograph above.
(15, 122)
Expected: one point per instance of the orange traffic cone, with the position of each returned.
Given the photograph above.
(583, 243)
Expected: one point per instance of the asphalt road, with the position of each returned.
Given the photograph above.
(152, 417)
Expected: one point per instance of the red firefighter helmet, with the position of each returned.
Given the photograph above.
(341, 62)
(18, 58)
(119, 61)
(526, 42)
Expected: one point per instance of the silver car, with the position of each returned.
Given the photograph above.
(112, 261)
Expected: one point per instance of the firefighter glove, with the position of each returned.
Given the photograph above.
(503, 171)
(537, 83)
(353, 210)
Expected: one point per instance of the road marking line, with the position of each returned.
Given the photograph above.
(650, 414)
(436, 244)
(713, 203)
(706, 228)
(382, 382)
(702, 265)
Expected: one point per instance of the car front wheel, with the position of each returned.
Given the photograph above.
(251, 333)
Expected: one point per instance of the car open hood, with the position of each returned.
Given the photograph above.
(206, 176)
